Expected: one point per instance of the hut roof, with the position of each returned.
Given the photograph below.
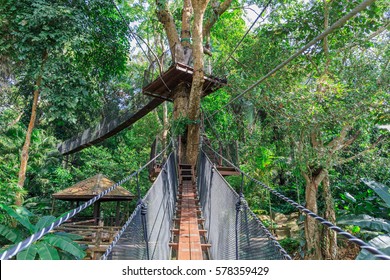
(90, 187)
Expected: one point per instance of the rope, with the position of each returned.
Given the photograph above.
(332, 28)
(36, 236)
(378, 254)
(120, 233)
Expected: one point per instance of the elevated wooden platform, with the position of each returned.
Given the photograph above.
(162, 87)
(227, 171)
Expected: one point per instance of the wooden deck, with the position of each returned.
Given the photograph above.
(189, 234)
(162, 87)
(96, 238)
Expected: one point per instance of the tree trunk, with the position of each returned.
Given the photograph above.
(193, 134)
(26, 146)
(180, 111)
(329, 236)
(312, 229)
(165, 126)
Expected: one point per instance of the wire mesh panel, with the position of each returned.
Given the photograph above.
(233, 230)
(148, 235)
(131, 245)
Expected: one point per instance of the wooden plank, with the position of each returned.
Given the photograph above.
(189, 242)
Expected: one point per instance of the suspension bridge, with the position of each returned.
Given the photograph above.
(189, 212)
(192, 213)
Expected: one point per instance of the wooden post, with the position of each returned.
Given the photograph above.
(220, 152)
(118, 208)
(96, 212)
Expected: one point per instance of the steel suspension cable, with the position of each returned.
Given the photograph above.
(328, 31)
(120, 233)
(374, 251)
(246, 33)
(36, 236)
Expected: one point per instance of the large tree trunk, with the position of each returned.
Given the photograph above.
(312, 228)
(180, 111)
(27, 142)
(199, 7)
(187, 103)
(329, 246)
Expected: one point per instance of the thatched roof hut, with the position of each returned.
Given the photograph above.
(89, 188)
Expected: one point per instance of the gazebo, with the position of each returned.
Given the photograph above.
(89, 188)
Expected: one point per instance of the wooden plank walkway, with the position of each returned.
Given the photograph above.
(189, 245)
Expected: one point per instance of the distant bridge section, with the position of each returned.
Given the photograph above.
(107, 128)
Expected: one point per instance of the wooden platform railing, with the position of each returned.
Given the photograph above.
(96, 238)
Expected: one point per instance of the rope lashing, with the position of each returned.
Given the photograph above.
(374, 251)
(36, 236)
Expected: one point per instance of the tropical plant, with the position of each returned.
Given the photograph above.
(53, 246)
(374, 227)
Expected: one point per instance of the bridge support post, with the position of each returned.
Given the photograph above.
(238, 224)
(144, 211)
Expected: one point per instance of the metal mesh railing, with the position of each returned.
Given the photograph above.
(233, 230)
(147, 233)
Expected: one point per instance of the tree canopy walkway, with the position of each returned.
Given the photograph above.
(184, 216)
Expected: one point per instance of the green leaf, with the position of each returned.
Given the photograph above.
(9, 233)
(21, 219)
(28, 254)
(44, 222)
(65, 244)
(382, 243)
(366, 221)
(350, 197)
(70, 235)
(380, 189)
(47, 252)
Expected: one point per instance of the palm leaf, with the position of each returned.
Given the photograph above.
(382, 243)
(44, 222)
(366, 221)
(28, 254)
(9, 233)
(23, 220)
(65, 244)
(380, 189)
(47, 252)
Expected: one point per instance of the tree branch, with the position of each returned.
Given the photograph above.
(373, 146)
(369, 37)
(218, 10)
(186, 23)
(335, 144)
(16, 120)
(166, 18)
